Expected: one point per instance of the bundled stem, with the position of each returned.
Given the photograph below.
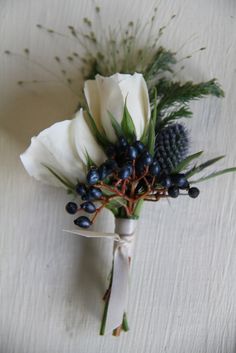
(107, 296)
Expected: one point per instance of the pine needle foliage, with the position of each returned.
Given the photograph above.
(176, 96)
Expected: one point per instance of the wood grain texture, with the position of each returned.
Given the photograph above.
(183, 288)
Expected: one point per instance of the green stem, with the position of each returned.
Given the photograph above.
(125, 325)
(104, 316)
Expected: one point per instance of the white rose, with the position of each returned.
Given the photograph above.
(63, 147)
(108, 94)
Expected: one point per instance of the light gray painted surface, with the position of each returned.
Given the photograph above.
(183, 287)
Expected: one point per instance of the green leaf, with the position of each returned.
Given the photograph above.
(115, 211)
(151, 137)
(71, 192)
(61, 178)
(215, 174)
(183, 112)
(199, 168)
(138, 208)
(90, 162)
(106, 192)
(144, 137)
(117, 202)
(127, 125)
(100, 137)
(154, 113)
(149, 126)
(121, 212)
(185, 162)
(116, 126)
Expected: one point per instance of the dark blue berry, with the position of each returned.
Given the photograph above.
(139, 146)
(166, 182)
(173, 191)
(129, 165)
(111, 165)
(103, 172)
(194, 192)
(111, 151)
(185, 186)
(83, 222)
(80, 189)
(146, 158)
(71, 207)
(95, 193)
(122, 142)
(154, 168)
(107, 168)
(88, 206)
(92, 176)
(132, 152)
(86, 197)
(180, 180)
(139, 167)
(125, 172)
(121, 157)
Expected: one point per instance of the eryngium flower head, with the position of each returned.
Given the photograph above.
(171, 147)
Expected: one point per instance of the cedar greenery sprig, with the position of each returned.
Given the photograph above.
(176, 96)
(171, 93)
(162, 61)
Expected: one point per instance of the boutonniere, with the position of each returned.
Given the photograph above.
(126, 145)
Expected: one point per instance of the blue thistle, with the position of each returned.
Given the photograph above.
(171, 146)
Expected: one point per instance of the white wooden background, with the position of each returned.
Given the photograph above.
(183, 290)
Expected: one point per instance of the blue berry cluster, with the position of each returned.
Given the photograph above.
(131, 171)
(88, 194)
(176, 182)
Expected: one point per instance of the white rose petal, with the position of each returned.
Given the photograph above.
(92, 97)
(84, 140)
(53, 147)
(108, 94)
(111, 100)
(134, 88)
(34, 160)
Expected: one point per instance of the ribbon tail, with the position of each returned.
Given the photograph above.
(120, 275)
(93, 234)
(119, 289)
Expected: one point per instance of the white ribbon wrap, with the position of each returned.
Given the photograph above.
(122, 252)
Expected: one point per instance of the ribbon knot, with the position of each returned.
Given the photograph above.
(122, 252)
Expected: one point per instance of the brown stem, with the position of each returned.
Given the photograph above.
(123, 188)
(117, 331)
(116, 191)
(145, 173)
